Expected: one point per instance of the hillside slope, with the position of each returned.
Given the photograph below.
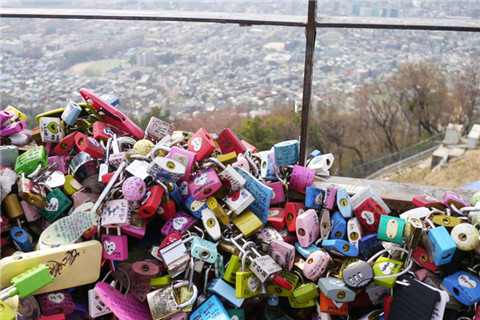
(452, 175)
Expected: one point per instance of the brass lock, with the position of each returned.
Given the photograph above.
(163, 302)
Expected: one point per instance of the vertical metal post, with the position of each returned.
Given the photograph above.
(311, 34)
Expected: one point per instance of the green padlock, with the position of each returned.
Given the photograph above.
(296, 305)
(57, 203)
(291, 278)
(386, 267)
(29, 160)
(305, 292)
(233, 266)
(237, 314)
(391, 229)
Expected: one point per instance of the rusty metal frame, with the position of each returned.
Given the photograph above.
(310, 23)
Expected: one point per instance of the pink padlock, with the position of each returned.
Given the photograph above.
(5, 116)
(330, 198)
(13, 128)
(301, 178)
(307, 228)
(146, 268)
(283, 253)
(134, 188)
(278, 193)
(116, 213)
(202, 144)
(50, 146)
(114, 247)
(180, 222)
(452, 199)
(315, 265)
(56, 302)
(421, 274)
(241, 163)
(115, 159)
(204, 183)
(137, 227)
(31, 213)
(185, 157)
(63, 162)
(81, 196)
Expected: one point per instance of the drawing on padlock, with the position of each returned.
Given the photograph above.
(246, 283)
(114, 247)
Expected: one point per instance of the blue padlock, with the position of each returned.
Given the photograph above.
(204, 250)
(305, 252)
(464, 287)
(175, 193)
(224, 290)
(369, 245)
(314, 154)
(267, 171)
(21, 239)
(71, 113)
(314, 198)
(339, 226)
(211, 309)
(195, 207)
(344, 204)
(286, 152)
(340, 246)
(440, 245)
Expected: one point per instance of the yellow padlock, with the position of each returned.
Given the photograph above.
(71, 185)
(447, 221)
(221, 214)
(247, 223)
(228, 158)
(19, 116)
(247, 285)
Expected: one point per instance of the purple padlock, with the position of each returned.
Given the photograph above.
(50, 146)
(278, 193)
(134, 189)
(5, 116)
(185, 157)
(180, 222)
(315, 265)
(283, 253)
(63, 162)
(56, 302)
(13, 128)
(204, 183)
(452, 199)
(31, 213)
(330, 198)
(137, 227)
(114, 247)
(116, 213)
(302, 177)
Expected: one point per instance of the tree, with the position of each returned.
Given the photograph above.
(466, 93)
(155, 112)
(253, 131)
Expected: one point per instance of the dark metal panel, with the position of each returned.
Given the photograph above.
(103, 14)
(311, 33)
(447, 24)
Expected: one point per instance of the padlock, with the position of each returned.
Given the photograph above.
(413, 232)
(453, 200)
(185, 157)
(340, 246)
(286, 153)
(391, 229)
(21, 239)
(96, 307)
(5, 117)
(369, 245)
(212, 308)
(62, 162)
(229, 142)
(368, 213)
(204, 184)
(71, 113)
(163, 302)
(305, 252)
(195, 206)
(344, 204)
(60, 301)
(465, 236)
(238, 201)
(166, 170)
(329, 306)
(440, 245)
(202, 144)
(358, 274)
(167, 209)
(338, 226)
(51, 129)
(116, 213)
(57, 204)
(278, 193)
(175, 257)
(447, 221)
(314, 198)
(242, 163)
(247, 284)
(151, 201)
(157, 129)
(134, 189)
(83, 166)
(315, 265)
(211, 224)
(183, 188)
(102, 131)
(330, 197)
(13, 128)
(143, 147)
(230, 177)
(283, 253)
(233, 266)
(305, 292)
(31, 159)
(89, 145)
(225, 291)
(307, 227)
(464, 287)
(291, 278)
(13, 209)
(114, 247)
(32, 193)
(301, 178)
(292, 211)
(67, 144)
(300, 305)
(174, 193)
(204, 250)
(354, 231)
(247, 223)
(336, 289)
(31, 213)
(386, 267)
(8, 156)
(428, 202)
(321, 163)
(276, 218)
(421, 256)
(180, 222)
(267, 170)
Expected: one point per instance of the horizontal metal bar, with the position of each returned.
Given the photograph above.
(152, 15)
(467, 25)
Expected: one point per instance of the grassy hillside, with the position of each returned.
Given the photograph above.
(453, 175)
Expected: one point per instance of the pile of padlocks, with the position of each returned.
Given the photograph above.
(102, 220)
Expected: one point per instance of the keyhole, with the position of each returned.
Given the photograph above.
(424, 258)
(324, 225)
(278, 290)
(64, 146)
(18, 234)
(338, 234)
(207, 191)
(170, 165)
(204, 254)
(346, 248)
(59, 310)
(145, 268)
(81, 141)
(343, 202)
(264, 165)
(309, 261)
(462, 237)
(378, 209)
(290, 216)
(301, 232)
(354, 235)
(446, 220)
(341, 295)
(211, 222)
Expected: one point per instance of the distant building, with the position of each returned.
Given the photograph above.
(14, 46)
(145, 58)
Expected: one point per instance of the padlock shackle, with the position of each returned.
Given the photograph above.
(126, 274)
(244, 258)
(153, 154)
(381, 252)
(194, 295)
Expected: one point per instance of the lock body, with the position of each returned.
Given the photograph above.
(340, 246)
(391, 229)
(464, 287)
(314, 198)
(315, 265)
(278, 193)
(116, 213)
(114, 247)
(307, 227)
(157, 129)
(276, 218)
(286, 153)
(201, 143)
(301, 178)
(385, 267)
(338, 226)
(283, 253)
(292, 211)
(204, 250)
(330, 198)
(180, 222)
(29, 160)
(247, 223)
(305, 292)
(204, 184)
(336, 289)
(368, 214)
(440, 246)
(56, 302)
(151, 201)
(57, 203)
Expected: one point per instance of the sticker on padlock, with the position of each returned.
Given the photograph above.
(56, 302)
(246, 283)
(391, 229)
(114, 247)
(57, 204)
(180, 222)
(116, 213)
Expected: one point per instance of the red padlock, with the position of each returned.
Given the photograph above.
(228, 142)
(292, 210)
(167, 209)
(276, 218)
(89, 145)
(151, 201)
(368, 213)
(103, 131)
(202, 144)
(66, 144)
(421, 256)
